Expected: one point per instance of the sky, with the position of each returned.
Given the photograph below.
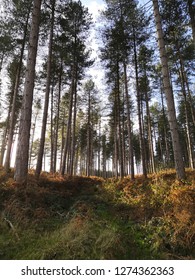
(95, 5)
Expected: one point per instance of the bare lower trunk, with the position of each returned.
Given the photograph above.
(142, 148)
(21, 170)
(13, 110)
(47, 91)
(57, 121)
(129, 126)
(68, 131)
(179, 164)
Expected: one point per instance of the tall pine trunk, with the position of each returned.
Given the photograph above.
(89, 162)
(47, 92)
(14, 102)
(129, 126)
(21, 165)
(141, 139)
(179, 164)
(68, 130)
(57, 121)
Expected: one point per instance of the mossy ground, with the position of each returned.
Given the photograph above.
(93, 218)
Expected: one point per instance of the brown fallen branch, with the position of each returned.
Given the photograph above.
(10, 225)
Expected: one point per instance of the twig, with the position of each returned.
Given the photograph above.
(12, 227)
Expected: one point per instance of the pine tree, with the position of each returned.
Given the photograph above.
(21, 165)
(179, 164)
(47, 92)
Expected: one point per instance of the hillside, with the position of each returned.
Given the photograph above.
(93, 218)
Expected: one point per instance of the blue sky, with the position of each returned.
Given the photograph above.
(96, 5)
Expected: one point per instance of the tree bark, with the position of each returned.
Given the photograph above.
(129, 126)
(47, 91)
(68, 131)
(143, 158)
(21, 170)
(179, 164)
(13, 109)
(57, 121)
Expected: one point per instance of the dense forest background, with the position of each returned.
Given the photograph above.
(140, 118)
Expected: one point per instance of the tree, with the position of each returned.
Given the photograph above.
(21, 165)
(15, 93)
(47, 91)
(75, 26)
(179, 164)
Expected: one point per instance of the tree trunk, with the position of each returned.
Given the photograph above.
(52, 131)
(143, 158)
(179, 164)
(57, 120)
(89, 163)
(21, 170)
(115, 158)
(32, 140)
(191, 8)
(13, 110)
(120, 146)
(63, 139)
(167, 150)
(47, 91)
(129, 127)
(5, 133)
(188, 140)
(150, 139)
(68, 131)
(72, 151)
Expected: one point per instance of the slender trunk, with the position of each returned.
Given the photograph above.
(88, 173)
(4, 141)
(99, 149)
(63, 139)
(179, 164)
(52, 131)
(32, 140)
(150, 140)
(121, 166)
(57, 120)
(14, 102)
(72, 152)
(68, 131)
(139, 112)
(115, 159)
(129, 126)
(190, 99)
(1, 61)
(167, 150)
(189, 141)
(47, 92)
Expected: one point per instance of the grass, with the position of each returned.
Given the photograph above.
(93, 218)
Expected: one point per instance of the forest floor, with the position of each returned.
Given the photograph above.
(92, 218)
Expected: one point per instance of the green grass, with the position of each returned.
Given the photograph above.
(88, 218)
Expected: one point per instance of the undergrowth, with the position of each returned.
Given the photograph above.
(93, 218)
